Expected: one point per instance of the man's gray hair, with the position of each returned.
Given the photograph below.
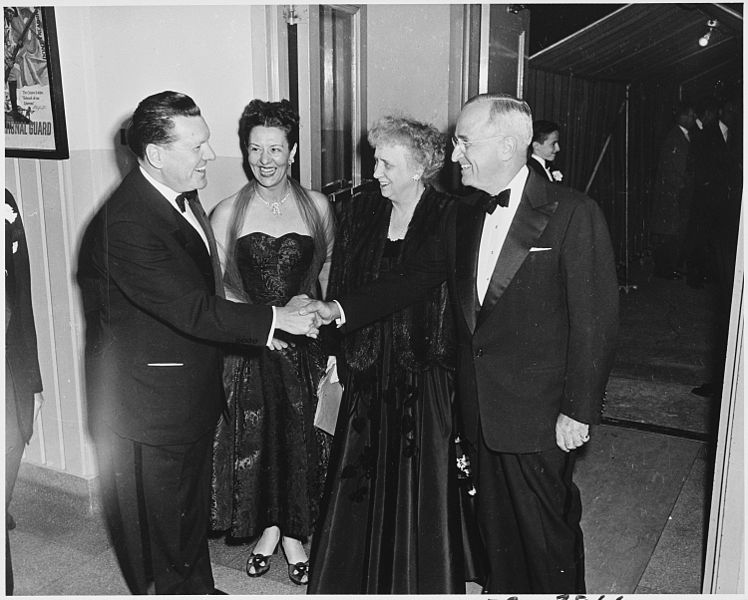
(509, 114)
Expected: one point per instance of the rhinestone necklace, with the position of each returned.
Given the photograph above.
(275, 207)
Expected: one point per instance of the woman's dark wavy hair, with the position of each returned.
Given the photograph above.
(282, 116)
(153, 119)
(269, 114)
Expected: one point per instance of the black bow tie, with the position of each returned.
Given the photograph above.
(185, 196)
(489, 203)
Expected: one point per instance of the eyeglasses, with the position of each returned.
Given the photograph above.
(463, 145)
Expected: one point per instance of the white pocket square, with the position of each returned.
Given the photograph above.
(166, 364)
(534, 249)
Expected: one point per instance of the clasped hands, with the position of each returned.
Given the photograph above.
(304, 316)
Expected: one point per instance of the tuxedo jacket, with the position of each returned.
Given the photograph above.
(714, 162)
(534, 165)
(542, 343)
(21, 358)
(153, 322)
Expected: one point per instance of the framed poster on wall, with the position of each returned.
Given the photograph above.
(34, 108)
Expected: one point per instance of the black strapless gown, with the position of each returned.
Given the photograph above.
(269, 461)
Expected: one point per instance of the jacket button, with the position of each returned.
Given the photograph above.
(479, 353)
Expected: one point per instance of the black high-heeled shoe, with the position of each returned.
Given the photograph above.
(299, 572)
(258, 564)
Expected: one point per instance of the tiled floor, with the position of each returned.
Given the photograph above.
(642, 494)
(643, 490)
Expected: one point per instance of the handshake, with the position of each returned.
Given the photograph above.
(304, 316)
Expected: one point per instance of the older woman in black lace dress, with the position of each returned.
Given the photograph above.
(275, 240)
(391, 513)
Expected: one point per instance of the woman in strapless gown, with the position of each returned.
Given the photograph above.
(275, 239)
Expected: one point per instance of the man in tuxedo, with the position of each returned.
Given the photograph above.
(155, 320)
(718, 194)
(543, 149)
(532, 278)
(673, 194)
(23, 380)
(695, 245)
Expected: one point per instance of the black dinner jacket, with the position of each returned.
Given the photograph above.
(153, 322)
(21, 357)
(542, 343)
(534, 165)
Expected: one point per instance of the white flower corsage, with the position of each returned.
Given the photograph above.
(10, 214)
(557, 175)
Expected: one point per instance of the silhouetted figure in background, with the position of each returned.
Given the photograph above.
(719, 178)
(673, 193)
(695, 248)
(23, 380)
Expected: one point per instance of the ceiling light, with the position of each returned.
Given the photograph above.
(706, 38)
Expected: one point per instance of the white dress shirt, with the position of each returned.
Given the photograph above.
(495, 228)
(724, 129)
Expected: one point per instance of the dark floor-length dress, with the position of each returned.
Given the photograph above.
(269, 460)
(391, 514)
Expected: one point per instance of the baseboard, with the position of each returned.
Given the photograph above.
(86, 489)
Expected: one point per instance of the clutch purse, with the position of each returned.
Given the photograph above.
(329, 393)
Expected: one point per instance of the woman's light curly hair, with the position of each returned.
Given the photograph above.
(423, 141)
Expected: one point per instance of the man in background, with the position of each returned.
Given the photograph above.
(673, 195)
(543, 150)
(23, 380)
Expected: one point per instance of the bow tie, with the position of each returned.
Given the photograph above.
(489, 203)
(186, 196)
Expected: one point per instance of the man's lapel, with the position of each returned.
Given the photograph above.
(469, 229)
(176, 226)
(197, 209)
(530, 220)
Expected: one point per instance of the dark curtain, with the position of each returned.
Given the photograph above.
(588, 112)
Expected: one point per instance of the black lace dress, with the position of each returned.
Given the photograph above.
(269, 460)
(391, 520)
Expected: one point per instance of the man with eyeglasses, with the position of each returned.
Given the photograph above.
(531, 271)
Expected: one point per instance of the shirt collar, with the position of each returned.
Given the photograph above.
(685, 131)
(165, 190)
(517, 185)
(540, 159)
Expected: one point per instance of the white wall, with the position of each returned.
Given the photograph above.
(112, 57)
(408, 61)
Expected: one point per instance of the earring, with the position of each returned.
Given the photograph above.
(415, 177)
(290, 161)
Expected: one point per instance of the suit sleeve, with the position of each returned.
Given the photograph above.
(410, 282)
(163, 284)
(592, 298)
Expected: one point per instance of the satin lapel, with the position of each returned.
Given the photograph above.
(202, 218)
(529, 222)
(154, 203)
(468, 232)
